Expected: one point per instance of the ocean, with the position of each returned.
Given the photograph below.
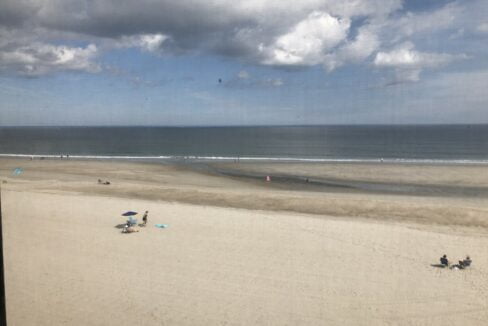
(399, 143)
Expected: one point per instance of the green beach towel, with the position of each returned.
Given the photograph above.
(161, 226)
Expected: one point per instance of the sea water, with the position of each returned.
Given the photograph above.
(402, 143)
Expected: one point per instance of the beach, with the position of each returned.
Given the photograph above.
(319, 244)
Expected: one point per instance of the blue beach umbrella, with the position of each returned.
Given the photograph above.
(131, 220)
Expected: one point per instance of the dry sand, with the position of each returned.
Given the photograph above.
(240, 251)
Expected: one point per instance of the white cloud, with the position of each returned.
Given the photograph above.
(308, 41)
(406, 57)
(152, 42)
(40, 58)
(244, 80)
(357, 50)
(243, 74)
(409, 63)
(483, 27)
(276, 82)
(147, 42)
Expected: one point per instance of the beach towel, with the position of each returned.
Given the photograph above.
(18, 171)
(161, 226)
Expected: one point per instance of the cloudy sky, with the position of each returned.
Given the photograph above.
(250, 62)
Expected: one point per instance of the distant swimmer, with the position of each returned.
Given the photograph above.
(220, 80)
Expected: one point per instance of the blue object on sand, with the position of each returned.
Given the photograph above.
(161, 226)
(18, 171)
(129, 213)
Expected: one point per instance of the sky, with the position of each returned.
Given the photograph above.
(250, 62)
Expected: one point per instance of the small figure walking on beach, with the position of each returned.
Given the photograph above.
(144, 218)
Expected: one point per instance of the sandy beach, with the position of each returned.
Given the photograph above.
(320, 244)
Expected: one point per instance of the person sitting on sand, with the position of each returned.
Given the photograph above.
(465, 262)
(462, 263)
(444, 261)
(144, 218)
(128, 228)
(457, 266)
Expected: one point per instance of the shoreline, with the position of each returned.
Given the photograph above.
(425, 194)
(243, 159)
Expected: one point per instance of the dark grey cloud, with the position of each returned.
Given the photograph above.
(15, 12)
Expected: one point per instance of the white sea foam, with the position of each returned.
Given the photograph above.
(253, 159)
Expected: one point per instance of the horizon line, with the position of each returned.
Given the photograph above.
(245, 126)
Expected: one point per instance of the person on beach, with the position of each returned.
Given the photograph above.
(144, 218)
(462, 264)
(128, 228)
(444, 261)
(465, 262)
